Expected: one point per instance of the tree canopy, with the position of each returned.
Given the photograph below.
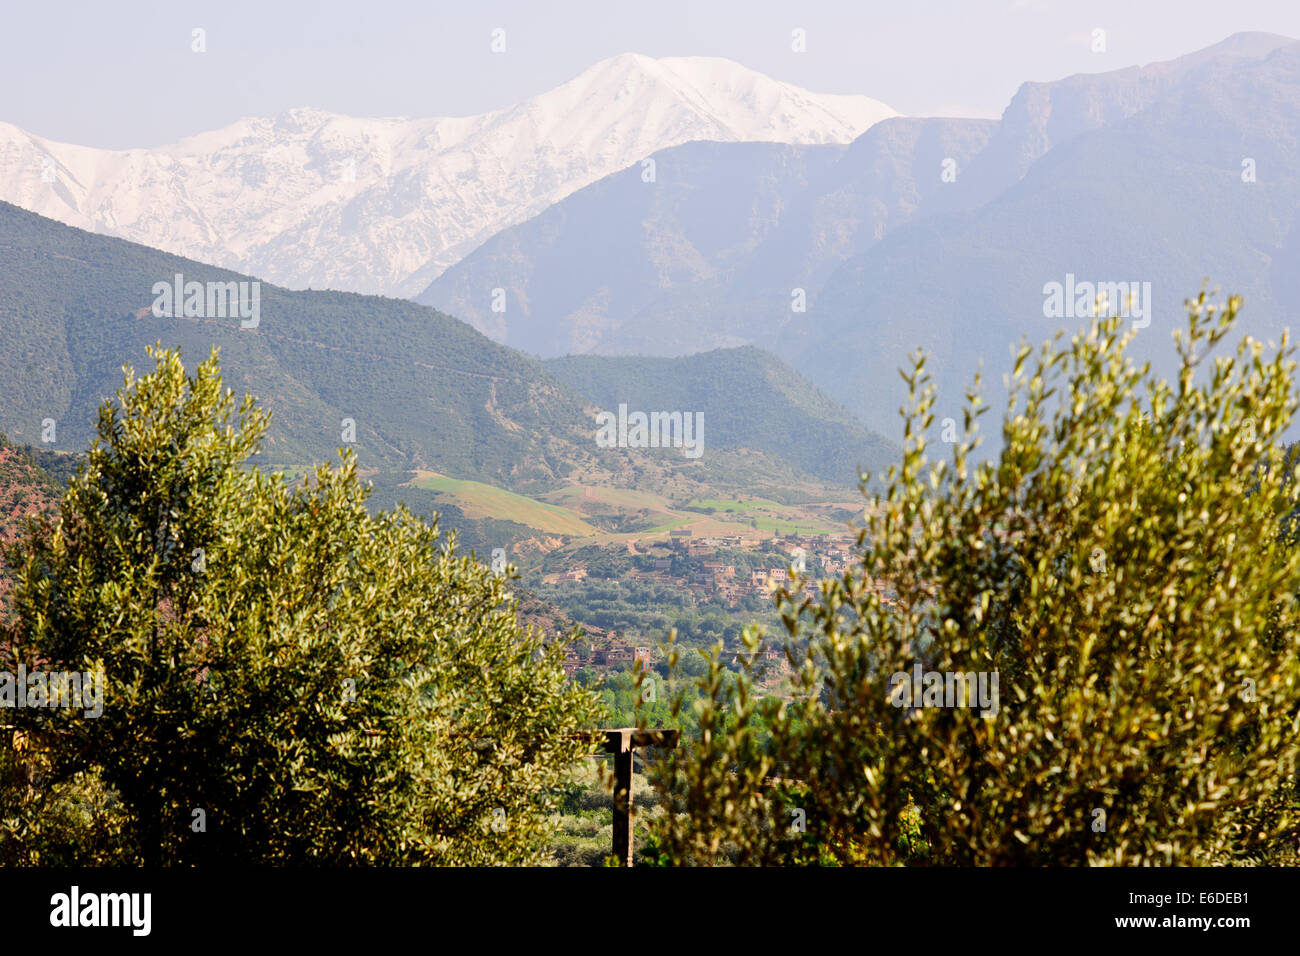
(1124, 566)
(288, 679)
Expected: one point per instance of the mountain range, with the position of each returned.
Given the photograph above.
(406, 386)
(314, 199)
(827, 231)
(710, 255)
(936, 233)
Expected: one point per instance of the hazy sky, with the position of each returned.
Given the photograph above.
(122, 73)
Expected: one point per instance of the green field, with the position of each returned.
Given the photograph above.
(594, 499)
(725, 504)
(570, 511)
(479, 500)
(764, 514)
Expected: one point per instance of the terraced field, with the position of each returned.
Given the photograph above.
(479, 500)
(598, 515)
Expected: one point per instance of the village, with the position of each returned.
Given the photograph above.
(739, 572)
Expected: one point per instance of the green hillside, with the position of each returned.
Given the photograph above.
(749, 398)
(478, 500)
(423, 389)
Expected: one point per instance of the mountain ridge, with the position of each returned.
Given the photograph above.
(924, 233)
(416, 389)
(312, 199)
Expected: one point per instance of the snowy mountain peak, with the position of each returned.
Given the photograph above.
(314, 198)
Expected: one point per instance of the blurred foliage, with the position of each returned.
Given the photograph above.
(1126, 565)
(74, 821)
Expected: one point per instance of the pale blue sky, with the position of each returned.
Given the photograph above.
(120, 73)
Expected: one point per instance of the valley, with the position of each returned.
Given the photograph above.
(450, 440)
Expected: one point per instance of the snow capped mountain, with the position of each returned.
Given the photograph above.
(310, 198)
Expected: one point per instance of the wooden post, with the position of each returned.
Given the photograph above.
(619, 743)
(622, 744)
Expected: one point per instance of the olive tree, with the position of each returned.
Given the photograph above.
(1123, 566)
(289, 679)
